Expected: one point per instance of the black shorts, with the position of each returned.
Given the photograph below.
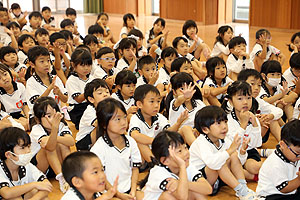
(49, 173)
(77, 112)
(266, 136)
(221, 183)
(84, 143)
(16, 115)
(253, 154)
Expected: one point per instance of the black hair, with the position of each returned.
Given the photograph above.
(142, 90)
(126, 43)
(136, 32)
(145, 60)
(84, 47)
(71, 11)
(35, 14)
(15, 6)
(66, 22)
(4, 68)
(11, 137)
(161, 20)
(81, 57)
(6, 50)
(293, 39)
(295, 61)
(187, 24)
(176, 41)
(24, 37)
(127, 16)
(93, 86)
(13, 24)
(261, 32)
(37, 51)
(181, 78)
(236, 41)
(211, 65)
(68, 34)
(125, 77)
(46, 8)
(55, 36)
(41, 31)
(96, 28)
(103, 51)
(290, 133)
(178, 62)
(3, 9)
(89, 39)
(105, 110)
(75, 164)
(246, 73)
(168, 51)
(271, 66)
(101, 14)
(151, 32)
(221, 32)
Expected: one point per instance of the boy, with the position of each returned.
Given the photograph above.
(48, 21)
(148, 71)
(4, 18)
(293, 72)
(97, 31)
(83, 171)
(238, 59)
(71, 14)
(67, 24)
(279, 175)
(25, 42)
(18, 177)
(15, 28)
(42, 37)
(263, 51)
(35, 20)
(94, 92)
(216, 156)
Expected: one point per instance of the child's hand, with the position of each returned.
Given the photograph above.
(154, 78)
(183, 116)
(175, 158)
(51, 86)
(244, 116)
(54, 122)
(165, 34)
(296, 81)
(44, 186)
(235, 143)
(285, 89)
(188, 91)
(25, 14)
(43, 141)
(205, 91)
(252, 119)
(244, 145)
(112, 191)
(132, 110)
(263, 120)
(22, 73)
(8, 31)
(172, 185)
(262, 39)
(110, 81)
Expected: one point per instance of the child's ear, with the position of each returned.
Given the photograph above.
(91, 99)
(205, 130)
(77, 182)
(162, 61)
(141, 72)
(139, 104)
(231, 50)
(8, 154)
(118, 87)
(174, 92)
(164, 161)
(282, 144)
(264, 76)
(31, 64)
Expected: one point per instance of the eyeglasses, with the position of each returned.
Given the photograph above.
(108, 59)
(296, 154)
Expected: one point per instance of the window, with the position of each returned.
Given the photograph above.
(241, 10)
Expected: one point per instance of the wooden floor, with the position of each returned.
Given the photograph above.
(207, 33)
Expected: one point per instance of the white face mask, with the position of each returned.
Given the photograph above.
(274, 82)
(24, 159)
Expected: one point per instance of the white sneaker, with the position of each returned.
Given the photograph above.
(63, 185)
(250, 196)
(66, 114)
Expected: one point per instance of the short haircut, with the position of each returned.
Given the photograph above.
(271, 66)
(96, 28)
(24, 37)
(93, 86)
(37, 51)
(103, 51)
(13, 24)
(161, 20)
(81, 57)
(246, 73)
(179, 79)
(136, 32)
(178, 62)
(6, 50)
(126, 43)
(36, 14)
(212, 63)
(236, 41)
(127, 16)
(207, 116)
(188, 24)
(75, 164)
(176, 41)
(125, 77)
(15, 6)
(3, 9)
(71, 11)
(142, 90)
(290, 133)
(89, 39)
(66, 22)
(55, 36)
(260, 32)
(11, 137)
(68, 35)
(45, 8)
(168, 51)
(145, 60)
(41, 31)
(295, 61)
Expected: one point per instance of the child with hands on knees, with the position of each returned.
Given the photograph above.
(221, 49)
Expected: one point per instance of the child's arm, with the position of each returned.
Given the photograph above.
(292, 185)
(183, 116)
(52, 139)
(164, 43)
(133, 62)
(111, 190)
(198, 69)
(66, 140)
(154, 40)
(262, 41)
(141, 138)
(134, 179)
(14, 43)
(79, 98)
(201, 186)
(278, 96)
(25, 110)
(62, 97)
(187, 93)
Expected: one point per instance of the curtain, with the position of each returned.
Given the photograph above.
(92, 6)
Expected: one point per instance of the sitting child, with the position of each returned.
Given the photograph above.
(35, 20)
(25, 42)
(221, 44)
(292, 73)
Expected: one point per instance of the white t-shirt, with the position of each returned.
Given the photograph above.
(267, 108)
(52, 22)
(124, 64)
(218, 49)
(150, 36)
(264, 92)
(27, 28)
(211, 83)
(142, 51)
(86, 122)
(236, 65)
(142, 81)
(164, 76)
(191, 42)
(258, 48)
(289, 77)
(125, 31)
(296, 109)
(22, 57)
(126, 103)
(63, 65)
(102, 74)
(13, 122)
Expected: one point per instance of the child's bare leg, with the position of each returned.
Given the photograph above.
(166, 196)
(139, 195)
(275, 129)
(211, 175)
(257, 63)
(30, 194)
(42, 163)
(248, 175)
(17, 198)
(24, 122)
(187, 134)
(196, 196)
(62, 151)
(145, 152)
(227, 176)
(152, 51)
(252, 166)
(54, 161)
(289, 110)
(214, 101)
(236, 166)
(264, 130)
(223, 56)
(198, 51)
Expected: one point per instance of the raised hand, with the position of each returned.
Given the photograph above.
(188, 91)
(235, 143)
(183, 116)
(285, 89)
(54, 122)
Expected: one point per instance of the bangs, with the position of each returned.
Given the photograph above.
(24, 140)
(244, 92)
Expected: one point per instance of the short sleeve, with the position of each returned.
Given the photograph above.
(136, 158)
(35, 175)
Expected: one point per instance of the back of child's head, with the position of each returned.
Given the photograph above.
(41, 105)
(46, 8)
(290, 133)
(15, 6)
(145, 60)
(178, 62)
(81, 57)
(66, 22)
(271, 66)
(22, 38)
(35, 52)
(95, 29)
(211, 65)
(126, 17)
(13, 24)
(125, 77)
(180, 79)
(101, 14)
(293, 40)
(75, 164)
(142, 90)
(11, 137)
(36, 14)
(187, 24)
(40, 32)
(207, 116)
(6, 50)
(68, 34)
(71, 11)
(92, 86)
(246, 73)
(261, 32)
(237, 40)
(221, 31)
(84, 47)
(295, 61)
(89, 39)
(168, 51)
(136, 32)
(103, 51)
(176, 41)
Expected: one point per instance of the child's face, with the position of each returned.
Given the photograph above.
(240, 47)
(187, 68)
(255, 85)
(168, 61)
(42, 65)
(27, 44)
(182, 48)
(17, 11)
(62, 42)
(42, 39)
(297, 42)
(191, 31)
(268, 39)
(241, 102)
(178, 92)
(72, 17)
(157, 28)
(69, 28)
(220, 71)
(4, 17)
(148, 71)
(49, 114)
(46, 14)
(107, 61)
(104, 20)
(182, 152)
(99, 94)
(10, 59)
(227, 35)
(83, 70)
(118, 123)
(35, 22)
(151, 104)
(139, 43)
(5, 80)
(129, 53)
(274, 75)
(217, 130)
(16, 31)
(99, 36)
(130, 23)
(19, 150)
(127, 90)
(296, 72)
(93, 47)
(291, 152)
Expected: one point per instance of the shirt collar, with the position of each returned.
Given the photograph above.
(22, 171)
(141, 117)
(144, 79)
(233, 114)
(108, 141)
(39, 80)
(209, 140)
(164, 67)
(81, 197)
(279, 153)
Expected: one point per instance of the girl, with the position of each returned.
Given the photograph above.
(139, 37)
(92, 42)
(15, 28)
(12, 96)
(128, 25)
(156, 36)
(294, 47)
(102, 20)
(196, 44)
(128, 50)
(172, 158)
(243, 122)
(51, 138)
(116, 149)
(81, 61)
(221, 44)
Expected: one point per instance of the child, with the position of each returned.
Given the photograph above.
(19, 178)
(148, 72)
(81, 61)
(102, 20)
(94, 92)
(128, 25)
(92, 42)
(168, 55)
(215, 155)
(128, 49)
(48, 21)
(116, 149)
(83, 171)
(155, 36)
(196, 44)
(293, 72)
(72, 14)
(25, 42)
(42, 37)
(15, 28)
(125, 84)
(42, 83)
(98, 32)
(138, 36)
(294, 47)
(67, 24)
(35, 20)
(69, 39)
(51, 138)
(17, 14)
(221, 49)
(173, 156)
(284, 163)
(7, 121)
(263, 51)
(238, 58)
